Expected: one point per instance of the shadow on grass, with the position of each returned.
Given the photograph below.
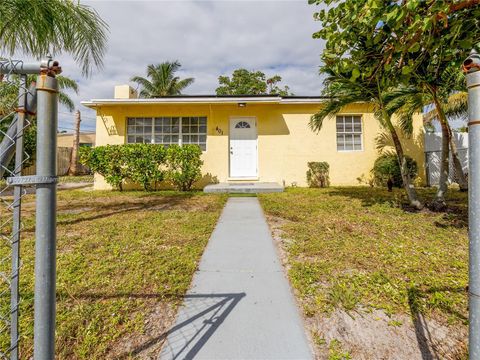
(109, 209)
(455, 215)
(422, 331)
(198, 319)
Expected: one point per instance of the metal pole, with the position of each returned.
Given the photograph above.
(17, 202)
(45, 231)
(19, 67)
(472, 67)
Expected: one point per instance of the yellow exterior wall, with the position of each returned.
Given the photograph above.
(285, 142)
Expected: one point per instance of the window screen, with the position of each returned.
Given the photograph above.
(349, 133)
(168, 130)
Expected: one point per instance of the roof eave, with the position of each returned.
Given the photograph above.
(202, 100)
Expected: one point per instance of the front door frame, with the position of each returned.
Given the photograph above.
(233, 119)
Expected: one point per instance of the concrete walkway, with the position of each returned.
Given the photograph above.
(240, 305)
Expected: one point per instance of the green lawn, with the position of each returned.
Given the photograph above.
(121, 256)
(357, 247)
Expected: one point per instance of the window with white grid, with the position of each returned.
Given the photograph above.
(168, 130)
(349, 133)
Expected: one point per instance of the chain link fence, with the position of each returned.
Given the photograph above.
(14, 91)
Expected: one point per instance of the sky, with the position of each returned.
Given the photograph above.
(209, 38)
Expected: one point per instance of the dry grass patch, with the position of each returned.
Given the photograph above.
(124, 262)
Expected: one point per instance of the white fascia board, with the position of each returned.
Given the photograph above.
(302, 101)
(186, 100)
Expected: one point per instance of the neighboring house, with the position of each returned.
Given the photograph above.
(250, 138)
(66, 139)
(64, 152)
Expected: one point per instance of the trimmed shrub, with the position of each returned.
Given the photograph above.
(108, 161)
(318, 174)
(387, 170)
(184, 165)
(145, 164)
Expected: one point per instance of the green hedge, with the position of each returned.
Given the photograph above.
(386, 168)
(145, 164)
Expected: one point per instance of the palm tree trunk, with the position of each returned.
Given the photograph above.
(73, 169)
(459, 174)
(402, 160)
(460, 178)
(439, 201)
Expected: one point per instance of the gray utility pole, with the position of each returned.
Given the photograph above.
(472, 68)
(73, 169)
(46, 209)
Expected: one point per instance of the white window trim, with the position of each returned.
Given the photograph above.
(361, 133)
(180, 133)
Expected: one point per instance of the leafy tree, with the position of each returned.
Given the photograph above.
(244, 82)
(163, 81)
(416, 41)
(38, 28)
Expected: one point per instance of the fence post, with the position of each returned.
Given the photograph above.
(472, 67)
(45, 231)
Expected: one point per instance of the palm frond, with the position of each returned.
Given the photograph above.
(53, 26)
(182, 84)
(162, 80)
(404, 102)
(65, 83)
(65, 100)
(383, 142)
(457, 105)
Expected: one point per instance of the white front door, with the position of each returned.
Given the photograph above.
(243, 147)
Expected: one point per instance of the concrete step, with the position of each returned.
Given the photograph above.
(244, 188)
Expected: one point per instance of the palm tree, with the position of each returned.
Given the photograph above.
(163, 81)
(406, 100)
(38, 28)
(342, 91)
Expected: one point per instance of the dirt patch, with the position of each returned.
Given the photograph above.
(75, 211)
(374, 335)
(276, 224)
(148, 344)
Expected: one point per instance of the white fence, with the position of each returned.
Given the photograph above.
(433, 150)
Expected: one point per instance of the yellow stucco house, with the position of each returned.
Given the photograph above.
(250, 138)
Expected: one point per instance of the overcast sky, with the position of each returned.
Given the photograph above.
(209, 38)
